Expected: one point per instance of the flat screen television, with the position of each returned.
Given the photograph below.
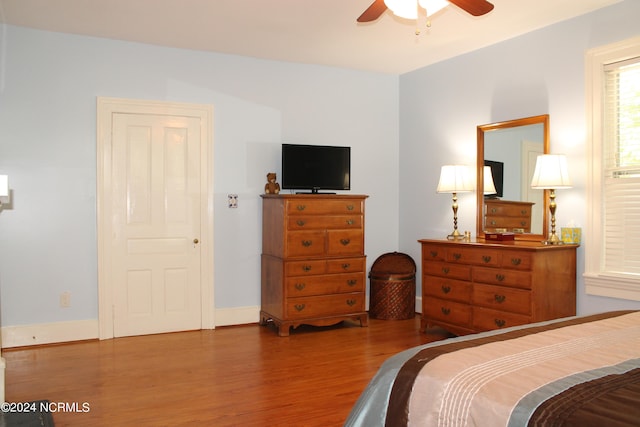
(315, 168)
(497, 170)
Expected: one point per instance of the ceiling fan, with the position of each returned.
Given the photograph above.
(474, 7)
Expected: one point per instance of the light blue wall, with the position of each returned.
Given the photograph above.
(48, 88)
(537, 73)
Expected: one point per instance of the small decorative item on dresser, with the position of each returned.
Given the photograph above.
(271, 187)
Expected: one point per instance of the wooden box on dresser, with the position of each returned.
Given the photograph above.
(313, 261)
(470, 287)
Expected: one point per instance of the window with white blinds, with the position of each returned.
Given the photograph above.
(621, 144)
(612, 238)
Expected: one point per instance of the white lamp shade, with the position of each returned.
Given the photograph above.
(4, 186)
(488, 186)
(551, 172)
(455, 179)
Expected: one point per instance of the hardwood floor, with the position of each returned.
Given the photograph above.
(244, 375)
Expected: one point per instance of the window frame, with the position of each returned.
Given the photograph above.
(598, 282)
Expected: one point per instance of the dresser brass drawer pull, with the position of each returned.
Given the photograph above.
(500, 277)
(350, 207)
(499, 298)
(524, 212)
(523, 223)
(445, 270)
(350, 222)
(499, 322)
(299, 307)
(516, 261)
(300, 223)
(493, 222)
(300, 286)
(445, 311)
(306, 268)
(494, 210)
(346, 266)
(457, 256)
(307, 243)
(345, 242)
(486, 259)
(301, 207)
(433, 254)
(446, 289)
(351, 302)
(352, 282)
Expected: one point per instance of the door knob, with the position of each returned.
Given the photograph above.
(195, 241)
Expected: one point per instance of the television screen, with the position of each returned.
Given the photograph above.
(497, 170)
(315, 167)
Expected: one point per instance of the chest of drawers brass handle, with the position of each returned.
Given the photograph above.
(346, 266)
(446, 289)
(433, 254)
(486, 259)
(350, 222)
(457, 256)
(300, 286)
(351, 302)
(307, 243)
(345, 242)
(500, 277)
(306, 268)
(350, 207)
(499, 322)
(445, 311)
(352, 282)
(299, 307)
(301, 207)
(445, 270)
(499, 298)
(516, 261)
(300, 223)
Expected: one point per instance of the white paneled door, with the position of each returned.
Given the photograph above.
(156, 223)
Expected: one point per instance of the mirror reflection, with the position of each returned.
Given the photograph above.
(507, 153)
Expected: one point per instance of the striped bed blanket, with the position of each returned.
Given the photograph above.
(580, 371)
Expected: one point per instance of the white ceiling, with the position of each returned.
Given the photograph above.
(307, 31)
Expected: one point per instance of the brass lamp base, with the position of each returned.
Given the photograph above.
(553, 237)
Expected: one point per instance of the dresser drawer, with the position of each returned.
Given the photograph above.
(345, 242)
(450, 289)
(310, 222)
(325, 284)
(507, 222)
(346, 265)
(451, 271)
(508, 209)
(325, 305)
(434, 253)
(305, 268)
(305, 243)
(517, 259)
(448, 311)
(502, 298)
(480, 256)
(502, 276)
(324, 207)
(485, 319)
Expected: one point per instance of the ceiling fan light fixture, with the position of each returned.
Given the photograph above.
(407, 9)
(433, 6)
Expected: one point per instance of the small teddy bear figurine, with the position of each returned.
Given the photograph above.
(271, 186)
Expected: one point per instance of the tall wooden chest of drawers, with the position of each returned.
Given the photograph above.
(477, 286)
(313, 261)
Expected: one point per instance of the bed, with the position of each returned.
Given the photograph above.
(579, 371)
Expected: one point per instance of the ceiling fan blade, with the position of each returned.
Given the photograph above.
(373, 12)
(474, 7)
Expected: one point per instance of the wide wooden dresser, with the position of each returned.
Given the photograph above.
(507, 215)
(313, 261)
(477, 286)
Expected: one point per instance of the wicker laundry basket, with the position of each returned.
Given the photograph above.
(393, 287)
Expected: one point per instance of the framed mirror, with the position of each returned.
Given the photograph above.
(506, 159)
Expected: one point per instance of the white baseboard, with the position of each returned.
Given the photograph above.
(49, 333)
(237, 315)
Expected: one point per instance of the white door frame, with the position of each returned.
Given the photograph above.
(106, 107)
